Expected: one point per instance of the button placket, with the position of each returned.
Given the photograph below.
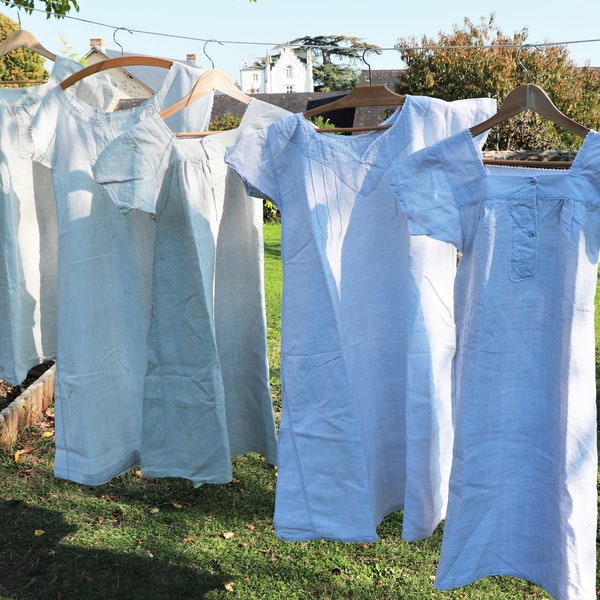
(523, 221)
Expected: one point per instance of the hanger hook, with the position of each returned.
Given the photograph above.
(212, 62)
(115, 37)
(366, 63)
(520, 62)
(19, 17)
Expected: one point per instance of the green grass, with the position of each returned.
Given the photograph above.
(163, 539)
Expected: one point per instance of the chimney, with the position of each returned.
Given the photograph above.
(98, 43)
(193, 58)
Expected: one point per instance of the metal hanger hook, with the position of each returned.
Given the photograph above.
(115, 37)
(520, 62)
(366, 63)
(212, 62)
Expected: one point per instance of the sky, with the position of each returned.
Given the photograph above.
(246, 31)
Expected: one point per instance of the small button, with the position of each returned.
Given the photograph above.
(533, 181)
(531, 233)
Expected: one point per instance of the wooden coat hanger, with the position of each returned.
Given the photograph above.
(110, 63)
(362, 95)
(210, 81)
(24, 39)
(523, 97)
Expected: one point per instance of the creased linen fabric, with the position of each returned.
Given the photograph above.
(28, 231)
(207, 392)
(523, 483)
(104, 278)
(367, 327)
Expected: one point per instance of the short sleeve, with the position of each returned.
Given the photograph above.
(424, 191)
(131, 167)
(43, 129)
(252, 158)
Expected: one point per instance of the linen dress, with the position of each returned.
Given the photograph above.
(367, 326)
(207, 392)
(523, 483)
(104, 278)
(28, 229)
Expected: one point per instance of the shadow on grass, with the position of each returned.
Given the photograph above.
(36, 566)
(273, 250)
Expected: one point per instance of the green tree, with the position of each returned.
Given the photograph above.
(20, 64)
(335, 60)
(56, 8)
(455, 73)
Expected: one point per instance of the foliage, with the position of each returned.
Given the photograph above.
(335, 60)
(224, 122)
(270, 212)
(457, 73)
(332, 78)
(329, 47)
(56, 8)
(321, 122)
(69, 51)
(20, 64)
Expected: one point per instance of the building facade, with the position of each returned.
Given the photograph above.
(284, 71)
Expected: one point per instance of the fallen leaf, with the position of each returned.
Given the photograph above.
(250, 526)
(100, 520)
(188, 539)
(154, 510)
(48, 434)
(84, 577)
(228, 535)
(228, 584)
(176, 505)
(17, 456)
(138, 474)
(39, 532)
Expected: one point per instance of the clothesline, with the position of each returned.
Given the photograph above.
(396, 47)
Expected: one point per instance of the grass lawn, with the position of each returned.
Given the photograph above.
(163, 539)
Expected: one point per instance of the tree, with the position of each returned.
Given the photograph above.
(451, 74)
(330, 52)
(56, 8)
(20, 64)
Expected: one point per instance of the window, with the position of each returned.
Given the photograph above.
(289, 89)
(289, 72)
(254, 76)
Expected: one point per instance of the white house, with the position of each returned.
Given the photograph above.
(283, 71)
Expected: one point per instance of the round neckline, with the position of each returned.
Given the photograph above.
(82, 110)
(371, 139)
(219, 135)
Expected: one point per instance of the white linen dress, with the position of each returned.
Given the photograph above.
(104, 279)
(207, 394)
(367, 326)
(523, 484)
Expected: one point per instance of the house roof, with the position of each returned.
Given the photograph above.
(301, 101)
(295, 102)
(260, 63)
(393, 79)
(151, 77)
